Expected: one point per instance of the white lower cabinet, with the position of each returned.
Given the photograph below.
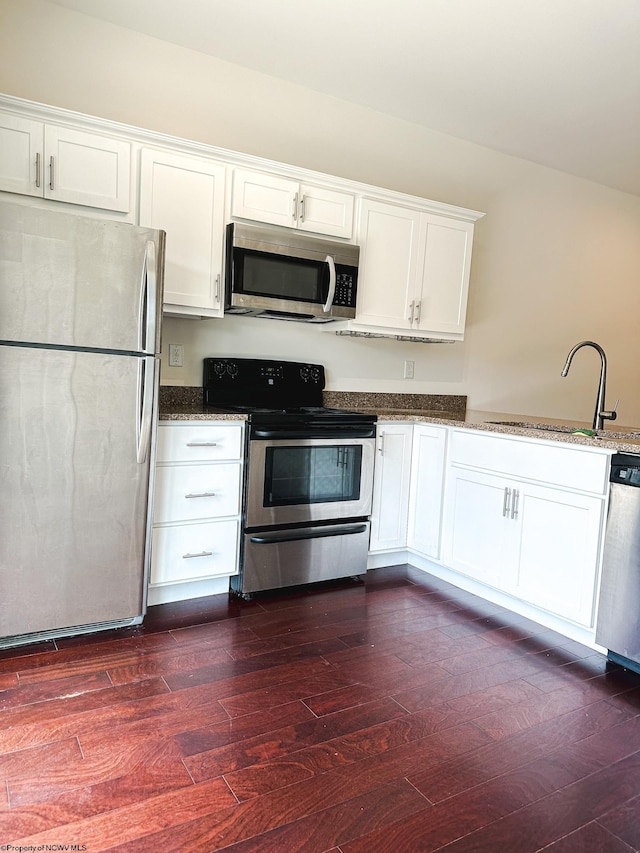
(425, 493)
(391, 480)
(539, 542)
(196, 515)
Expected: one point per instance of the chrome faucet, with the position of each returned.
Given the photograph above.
(600, 415)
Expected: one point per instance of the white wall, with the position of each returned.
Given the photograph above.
(556, 259)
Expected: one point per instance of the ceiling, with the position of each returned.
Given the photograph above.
(556, 82)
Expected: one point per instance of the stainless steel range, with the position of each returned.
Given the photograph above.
(308, 478)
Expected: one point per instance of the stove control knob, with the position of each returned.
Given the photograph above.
(232, 368)
(219, 368)
(304, 374)
(315, 374)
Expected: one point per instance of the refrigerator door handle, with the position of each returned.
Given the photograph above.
(148, 300)
(146, 385)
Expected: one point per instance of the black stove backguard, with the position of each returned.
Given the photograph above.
(253, 383)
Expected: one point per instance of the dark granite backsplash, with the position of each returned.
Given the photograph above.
(172, 396)
(391, 402)
(179, 395)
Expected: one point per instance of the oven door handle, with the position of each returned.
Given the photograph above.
(307, 533)
(314, 432)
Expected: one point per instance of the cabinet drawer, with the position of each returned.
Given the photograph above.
(187, 492)
(570, 467)
(193, 551)
(195, 443)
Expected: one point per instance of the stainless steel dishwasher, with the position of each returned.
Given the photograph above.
(618, 624)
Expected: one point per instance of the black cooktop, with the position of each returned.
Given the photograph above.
(270, 392)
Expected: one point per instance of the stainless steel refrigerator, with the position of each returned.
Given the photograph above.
(80, 313)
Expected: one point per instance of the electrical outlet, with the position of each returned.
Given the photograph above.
(409, 369)
(176, 355)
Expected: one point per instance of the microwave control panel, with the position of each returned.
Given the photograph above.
(345, 294)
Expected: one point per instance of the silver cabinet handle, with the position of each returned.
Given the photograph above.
(217, 289)
(201, 495)
(301, 214)
(51, 181)
(514, 505)
(381, 444)
(294, 213)
(199, 554)
(411, 307)
(202, 444)
(505, 502)
(38, 182)
(418, 311)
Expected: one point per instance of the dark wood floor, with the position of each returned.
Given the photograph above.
(398, 714)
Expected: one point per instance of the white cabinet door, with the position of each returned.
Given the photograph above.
(84, 168)
(558, 551)
(477, 531)
(391, 487)
(425, 496)
(21, 155)
(63, 164)
(264, 198)
(281, 201)
(185, 197)
(389, 243)
(441, 304)
(325, 211)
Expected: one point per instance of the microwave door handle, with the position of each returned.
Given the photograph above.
(332, 284)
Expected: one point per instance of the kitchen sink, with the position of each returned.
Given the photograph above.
(544, 427)
(564, 428)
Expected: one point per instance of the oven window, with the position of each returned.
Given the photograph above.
(310, 475)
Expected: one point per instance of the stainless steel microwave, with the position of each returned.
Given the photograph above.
(288, 275)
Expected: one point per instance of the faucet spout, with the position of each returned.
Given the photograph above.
(600, 415)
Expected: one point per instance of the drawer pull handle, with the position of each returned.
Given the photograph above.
(202, 444)
(199, 554)
(201, 495)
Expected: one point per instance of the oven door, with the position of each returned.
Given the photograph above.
(297, 481)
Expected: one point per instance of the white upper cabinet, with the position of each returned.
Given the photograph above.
(280, 201)
(64, 164)
(184, 196)
(414, 271)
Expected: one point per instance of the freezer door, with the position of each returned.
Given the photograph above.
(75, 457)
(69, 280)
